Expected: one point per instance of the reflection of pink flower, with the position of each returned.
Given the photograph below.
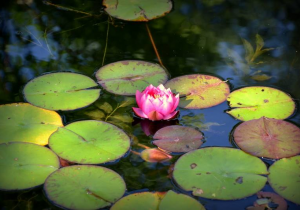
(156, 103)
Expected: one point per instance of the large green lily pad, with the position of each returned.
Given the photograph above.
(198, 91)
(23, 122)
(25, 165)
(178, 138)
(137, 10)
(84, 187)
(285, 178)
(61, 91)
(220, 173)
(269, 138)
(126, 77)
(152, 201)
(89, 142)
(255, 102)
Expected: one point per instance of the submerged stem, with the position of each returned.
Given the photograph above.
(106, 41)
(153, 44)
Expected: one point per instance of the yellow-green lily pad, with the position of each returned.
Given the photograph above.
(23, 122)
(250, 103)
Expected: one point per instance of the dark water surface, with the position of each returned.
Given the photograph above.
(196, 37)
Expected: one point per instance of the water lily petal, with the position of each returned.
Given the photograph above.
(147, 105)
(139, 112)
(154, 115)
(138, 97)
(171, 115)
(175, 102)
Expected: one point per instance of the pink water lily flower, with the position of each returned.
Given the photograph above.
(156, 103)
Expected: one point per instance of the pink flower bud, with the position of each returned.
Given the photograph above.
(156, 103)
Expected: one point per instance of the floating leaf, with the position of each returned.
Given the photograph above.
(178, 138)
(285, 178)
(89, 142)
(269, 138)
(255, 102)
(154, 155)
(198, 91)
(25, 165)
(27, 123)
(266, 199)
(178, 201)
(261, 77)
(157, 200)
(138, 201)
(220, 173)
(84, 187)
(142, 10)
(61, 91)
(126, 77)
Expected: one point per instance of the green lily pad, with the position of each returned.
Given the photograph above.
(126, 77)
(220, 173)
(142, 10)
(285, 178)
(255, 102)
(178, 138)
(61, 91)
(198, 91)
(178, 201)
(158, 200)
(89, 142)
(26, 123)
(84, 187)
(269, 138)
(25, 165)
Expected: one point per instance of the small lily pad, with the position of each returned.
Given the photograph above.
(25, 165)
(157, 200)
(269, 138)
(89, 142)
(285, 178)
(255, 102)
(198, 91)
(84, 187)
(23, 122)
(126, 77)
(61, 91)
(142, 10)
(178, 138)
(220, 173)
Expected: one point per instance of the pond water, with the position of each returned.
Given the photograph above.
(199, 36)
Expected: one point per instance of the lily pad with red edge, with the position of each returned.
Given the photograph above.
(157, 200)
(284, 178)
(128, 76)
(61, 91)
(90, 142)
(84, 187)
(142, 10)
(178, 138)
(198, 91)
(22, 122)
(255, 102)
(220, 173)
(25, 165)
(269, 138)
